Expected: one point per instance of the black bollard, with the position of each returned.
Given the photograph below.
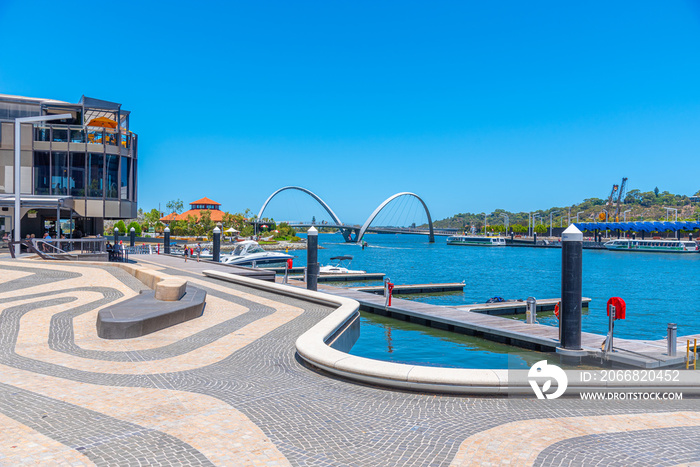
(634, 236)
(312, 259)
(571, 280)
(512, 235)
(678, 234)
(690, 236)
(166, 241)
(643, 234)
(132, 236)
(217, 244)
(618, 233)
(534, 237)
(116, 236)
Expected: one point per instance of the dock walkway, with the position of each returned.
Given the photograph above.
(635, 353)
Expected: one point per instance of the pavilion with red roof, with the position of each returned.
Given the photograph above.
(196, 208)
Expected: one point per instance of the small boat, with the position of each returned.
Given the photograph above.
(653, 246)
(476, 241)
(340, 267)
(250, 253)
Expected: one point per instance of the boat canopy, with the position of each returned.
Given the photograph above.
(639, 226)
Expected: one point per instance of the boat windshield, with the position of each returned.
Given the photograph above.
(247, 248)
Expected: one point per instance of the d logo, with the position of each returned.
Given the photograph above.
(544, 371)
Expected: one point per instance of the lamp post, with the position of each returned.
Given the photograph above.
(671, 209)
(624, 215)
(550, 221)
(580, 212)
(18, 177)
(485, 223)
(506, 222)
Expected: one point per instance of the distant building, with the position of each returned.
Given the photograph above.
(694, 199)
(196, 208)
(83, 167)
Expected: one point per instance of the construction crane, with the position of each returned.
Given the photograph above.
(614, 201)
(620, 195)
(605, 215)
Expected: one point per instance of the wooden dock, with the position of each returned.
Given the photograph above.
(367, 276)
(415, 288)
(515, 307)
(631, 353)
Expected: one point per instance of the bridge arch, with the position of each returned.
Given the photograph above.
(308, 192)
(369, 220)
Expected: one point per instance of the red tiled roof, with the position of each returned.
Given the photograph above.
(216, 216)
(205, 200)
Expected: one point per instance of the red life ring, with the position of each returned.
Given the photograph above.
(556, 310)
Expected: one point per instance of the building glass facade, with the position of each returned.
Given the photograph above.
(86, 165)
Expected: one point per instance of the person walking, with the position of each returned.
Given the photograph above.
(198, 250)
(187, 252)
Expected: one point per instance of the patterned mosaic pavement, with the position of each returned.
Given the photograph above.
(227, 389)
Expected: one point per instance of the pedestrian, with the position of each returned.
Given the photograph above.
(187, 252)
(198, 250)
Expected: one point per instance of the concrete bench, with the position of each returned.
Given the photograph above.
(143, 314)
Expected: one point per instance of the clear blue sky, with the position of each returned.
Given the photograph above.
(472, 105)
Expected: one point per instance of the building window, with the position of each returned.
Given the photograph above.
(60, 135)
(77, 175)
(112, 173)
(133, 180)
(59, 173)
(42, 173)
(95, 175)
(77, 136)
(126, 164)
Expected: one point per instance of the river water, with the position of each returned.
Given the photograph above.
(659, 288)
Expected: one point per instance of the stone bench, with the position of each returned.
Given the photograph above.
(144, 314)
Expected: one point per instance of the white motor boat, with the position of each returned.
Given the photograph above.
(340, 267)
(249, 253)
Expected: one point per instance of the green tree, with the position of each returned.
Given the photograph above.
(152, 216)
(121, 226)
(656, 191)
(136, 226)
(175, 205)
(541, 229)
(145, 226)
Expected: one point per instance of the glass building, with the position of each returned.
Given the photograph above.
(79, 171)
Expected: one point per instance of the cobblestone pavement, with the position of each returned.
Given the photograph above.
(227, 389)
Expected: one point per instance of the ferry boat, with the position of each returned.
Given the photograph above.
(656, 246)
(476, 241)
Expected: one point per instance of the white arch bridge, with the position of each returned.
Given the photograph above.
(353, 233)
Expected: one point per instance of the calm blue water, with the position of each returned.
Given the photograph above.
(658, 288)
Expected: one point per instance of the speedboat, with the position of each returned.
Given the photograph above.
(476, 241)
(249, 253)
(340, 267)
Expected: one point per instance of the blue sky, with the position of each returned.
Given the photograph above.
(472, 105)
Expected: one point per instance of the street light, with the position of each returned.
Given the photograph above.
(580, 212)
(484, 223)
(671, 209)
(624, 215)
(505, 220)
(550, 221)
(18, 178)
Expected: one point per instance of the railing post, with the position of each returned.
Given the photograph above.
(217, 244)
(312, 259)
(166, 241)
(132, 237)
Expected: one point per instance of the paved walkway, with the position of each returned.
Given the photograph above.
(226, 389)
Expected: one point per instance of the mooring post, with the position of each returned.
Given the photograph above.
(132, 236)
(166, 241)
(534, 238)
(671, 338)
(116, 236)
(571, 282)
(690, 236)
(217, 244)
(312, 259)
